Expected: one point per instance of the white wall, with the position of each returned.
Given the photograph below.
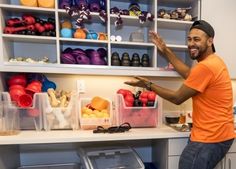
(107, 86)
(221, 14)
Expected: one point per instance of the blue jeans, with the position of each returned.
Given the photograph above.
(198, 155)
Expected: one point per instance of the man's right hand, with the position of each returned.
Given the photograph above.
(140, 82)
(166, 52)
(158, 41)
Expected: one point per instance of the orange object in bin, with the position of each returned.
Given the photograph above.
(99, 103)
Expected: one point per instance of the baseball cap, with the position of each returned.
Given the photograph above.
(206, 27)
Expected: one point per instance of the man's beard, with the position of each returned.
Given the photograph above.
(199, 53)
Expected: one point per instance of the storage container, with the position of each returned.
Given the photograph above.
(110, 157)
(185, 116)
(9, 119)
(30, 117)
(139, 116)
(52, 166)
(57, 118)
(89, 119)
(136, 37)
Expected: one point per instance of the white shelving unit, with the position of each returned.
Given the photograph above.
(82, 136)
(30, 146)
(173, 31)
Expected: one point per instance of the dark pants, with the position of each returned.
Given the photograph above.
(198, 155)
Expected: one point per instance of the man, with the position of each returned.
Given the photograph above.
(209, 85)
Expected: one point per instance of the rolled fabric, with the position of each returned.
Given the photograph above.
(82, 59)
(78, 51)
(96, 59)
(68, 50)
(68, 58)
(102, 52)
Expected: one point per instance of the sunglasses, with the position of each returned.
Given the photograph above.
(114, 129)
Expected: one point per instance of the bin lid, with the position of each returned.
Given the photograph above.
(111, 158)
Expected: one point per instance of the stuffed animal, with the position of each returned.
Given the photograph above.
(177, 14)
(65, 3)
(94, 5)
(82, 8)
(144, 16)
(80, 11)
(134, 9)
(81, 4)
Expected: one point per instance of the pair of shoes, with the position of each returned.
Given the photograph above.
(114, 129)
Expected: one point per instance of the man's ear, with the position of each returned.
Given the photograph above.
(210, 41)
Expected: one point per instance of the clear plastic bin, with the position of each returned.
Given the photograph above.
(139, 116)
(9, 119)
(30, 117)
(53, 166)
(91, 122)
(60, 118)
(110, 157)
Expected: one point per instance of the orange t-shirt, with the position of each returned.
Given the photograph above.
(213, 105)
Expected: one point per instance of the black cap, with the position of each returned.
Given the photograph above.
(206, 27)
